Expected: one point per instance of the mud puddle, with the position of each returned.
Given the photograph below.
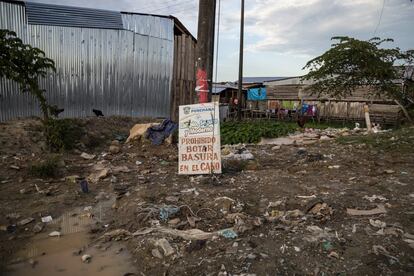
(46, 255)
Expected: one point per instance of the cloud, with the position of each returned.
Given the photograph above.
(305, 27)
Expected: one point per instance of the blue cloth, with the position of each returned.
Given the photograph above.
(305, 108)
(256, 94)
(157, 134)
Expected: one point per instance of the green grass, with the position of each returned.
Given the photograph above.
(253, 131)
(62, 134)
(46, 168)
(401, 140)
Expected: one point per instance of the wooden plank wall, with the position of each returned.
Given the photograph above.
(184, 81)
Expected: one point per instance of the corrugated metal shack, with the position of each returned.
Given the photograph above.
(121, 63)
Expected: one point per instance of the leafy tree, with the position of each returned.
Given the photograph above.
(24, 64)
(353, 63)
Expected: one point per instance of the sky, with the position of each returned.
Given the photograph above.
(280, 35)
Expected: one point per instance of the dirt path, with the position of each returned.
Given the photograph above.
(288, 207)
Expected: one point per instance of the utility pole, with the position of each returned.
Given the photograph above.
(240, 91)
(205, 49)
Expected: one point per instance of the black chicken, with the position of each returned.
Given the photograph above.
(55, 111)
(97, 112)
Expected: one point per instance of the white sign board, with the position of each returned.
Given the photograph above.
(199, 139)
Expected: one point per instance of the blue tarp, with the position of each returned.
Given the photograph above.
(256, 94)
(157, 134)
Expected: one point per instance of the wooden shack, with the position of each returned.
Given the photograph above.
(383, 110)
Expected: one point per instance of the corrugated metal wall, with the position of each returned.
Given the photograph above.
(121, 72)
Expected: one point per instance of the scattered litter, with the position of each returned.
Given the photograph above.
(297, 249)
(158, 133)
(14, 167)
(72, 178)
(306, 197)
(190, 190)
(378, 249)
(88, 208)
(192, 234)
(238, 154)
(354, 228)
(174, 222)
(84, 186)
(54, 234)
(138, 163)
(96, 176)
(333, 254)
(156, 253)
(228, 234)
(225, 203)
(377, 223)
(355, 212)
(165, 246)
(317, 234)
(409, 236)
(38, 227)
(25, 221)
(327, 246)
(389, 171)
(87, 156)
(47, 219)
(167, 212)
(374, 198)
(86, 258)
(334, 167)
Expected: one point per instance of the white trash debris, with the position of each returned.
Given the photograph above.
(86, 258)
(54, 234)
(87, 156)
(374, 198)
(47, 219)
(377, 223)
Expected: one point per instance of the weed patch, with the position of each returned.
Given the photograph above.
(62, 134)
(46, 168)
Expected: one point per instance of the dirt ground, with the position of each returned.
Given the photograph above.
(289, 209)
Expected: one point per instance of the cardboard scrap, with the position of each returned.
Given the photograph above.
(376, 211)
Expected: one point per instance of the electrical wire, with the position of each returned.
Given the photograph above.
(380, 18)
(170, 6)
(218, 38)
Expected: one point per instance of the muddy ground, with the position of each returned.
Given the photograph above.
(287, 207)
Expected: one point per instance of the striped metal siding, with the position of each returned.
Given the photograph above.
(150, 25)
(117, 71)
(56, 15)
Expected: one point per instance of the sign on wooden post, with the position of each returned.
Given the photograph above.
(199, 139)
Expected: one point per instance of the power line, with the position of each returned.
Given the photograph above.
(218, 37)
(380, 18)
(169, 6)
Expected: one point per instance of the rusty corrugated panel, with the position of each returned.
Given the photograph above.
(120, 72)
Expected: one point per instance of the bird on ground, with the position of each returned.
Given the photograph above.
(97, 112)
(55, 111)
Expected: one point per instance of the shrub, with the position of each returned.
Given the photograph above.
(252, 132)
(62, 134)
(46, 168)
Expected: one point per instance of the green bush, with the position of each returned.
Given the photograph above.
(252, 132)
(62, 134)
(46, 168)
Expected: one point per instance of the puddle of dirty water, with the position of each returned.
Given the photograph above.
(46, 255)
